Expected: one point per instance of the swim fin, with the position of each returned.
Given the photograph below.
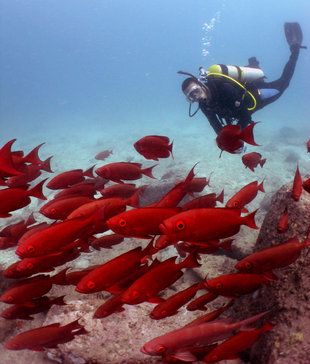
(293, 34)
(253, 63)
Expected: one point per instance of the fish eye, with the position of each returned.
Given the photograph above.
(53, 211)
(214, 358)
(219, 285)
(164, 313)
(122, 222)
(161, 349)
(90, 284)
(248, 265)
(135, 294)
(10, 298)
(30, 248)
(180, 225)
(29, 265)
(235, 204)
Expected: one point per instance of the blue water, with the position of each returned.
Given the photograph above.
(80, 66)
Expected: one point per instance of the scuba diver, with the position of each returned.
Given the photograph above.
(231, 94)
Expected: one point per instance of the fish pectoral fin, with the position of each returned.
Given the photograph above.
(156, 300)
(184, 355)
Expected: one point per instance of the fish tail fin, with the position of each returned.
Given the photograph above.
(220, 197)
(247, 134)
(262, 162)
(31, 220)
(59, 301)
(36, 191)
(6, 163)
(60, 278)
(134, 199)
(74, 325)
(191, 260)
(33, 156)
(250, 221)
(247, 324)
(266, 327)
(150, 249)
(46, 165)
(148, 171)
(170, 146)
(260, 187)
(89, 172)
(226, 244)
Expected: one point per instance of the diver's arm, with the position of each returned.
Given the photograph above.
(244, 117)
(212, 117)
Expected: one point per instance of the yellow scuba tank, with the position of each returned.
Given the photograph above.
(241, 74)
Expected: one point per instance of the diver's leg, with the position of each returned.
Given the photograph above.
(283, 82)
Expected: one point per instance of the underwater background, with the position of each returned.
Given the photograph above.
(95, 67)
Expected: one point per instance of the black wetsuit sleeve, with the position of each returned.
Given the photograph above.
(212, 117)
(244, 116)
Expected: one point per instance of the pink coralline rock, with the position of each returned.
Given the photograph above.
(288, 298)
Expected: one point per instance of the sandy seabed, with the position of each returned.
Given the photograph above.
(282, 146)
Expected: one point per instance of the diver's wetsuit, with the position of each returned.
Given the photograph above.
(230, 102)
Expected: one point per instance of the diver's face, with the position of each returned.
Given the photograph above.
(195, 93)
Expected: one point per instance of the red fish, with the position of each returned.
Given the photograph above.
(24, 311)
(147, 287)
(274, 257)
(87, 187)
(12, 199)
(154, 147)
(236, 284)
(69, 178)
(45, 263)
(61, 208)
(297, 185)
(306, 185)
(122, 190)
(174, 196)
(113, 304)
(205, 224)
(205, 201)
(197, 185)
(282, 224)
(114, 270)
(204, 247)
(251, 160)
(117, 172)
(173, 303)
(45, 337)
(32, 172)
(178, 342)
(308, 146)
(27, 289)
(107, 241)
(143, 222)
(245, 196)
(210, 316)
(241, 341)
(15, 231)
(231, 137)
(54, 238)
(103, 155)
(200, 302)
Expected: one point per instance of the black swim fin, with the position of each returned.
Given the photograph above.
(293, 34)
(253, 63)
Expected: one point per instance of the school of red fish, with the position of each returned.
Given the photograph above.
(194, 228)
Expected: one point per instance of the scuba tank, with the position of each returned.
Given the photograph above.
(241, 74)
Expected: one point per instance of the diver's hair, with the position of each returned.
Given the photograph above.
(187, 82)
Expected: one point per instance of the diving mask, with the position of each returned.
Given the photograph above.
(194, 93)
